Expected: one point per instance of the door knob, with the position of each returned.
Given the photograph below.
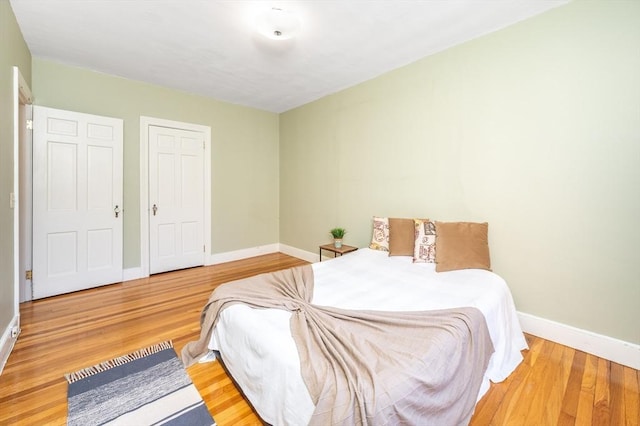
(116, 210)
(155, 209)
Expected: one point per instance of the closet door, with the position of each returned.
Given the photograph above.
(77, 201)
(176, 199)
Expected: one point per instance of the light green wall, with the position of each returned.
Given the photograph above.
(244, 150)
(534, 128)
(13, 52)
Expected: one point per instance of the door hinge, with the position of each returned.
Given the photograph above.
(29, 124)
(204, 249)
(28, 275)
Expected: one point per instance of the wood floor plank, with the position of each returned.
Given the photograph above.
(616, 386)
(65, 333)
(571, 397)
(547, 397)
(631, 397)
(601, 411)
(584, 414)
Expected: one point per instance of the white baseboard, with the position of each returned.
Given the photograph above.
(132, 274)
(619, 351)
(230, 256)
(7, 342)
(299, 253)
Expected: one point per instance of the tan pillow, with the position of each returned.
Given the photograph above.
(401, 237)
(424, 250)
(380, 234)
(462, 245)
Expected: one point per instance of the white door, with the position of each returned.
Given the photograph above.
(176, 201)
(77, 201)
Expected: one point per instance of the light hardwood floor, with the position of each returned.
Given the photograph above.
(555, 385)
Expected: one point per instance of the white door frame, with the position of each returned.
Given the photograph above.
(145, 122)
(22, 149)
(21, 97)
(21, 175)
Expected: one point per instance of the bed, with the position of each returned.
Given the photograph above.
(258, 350)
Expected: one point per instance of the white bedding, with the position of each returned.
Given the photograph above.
(257, 348)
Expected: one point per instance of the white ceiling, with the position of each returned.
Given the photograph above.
(211, 48)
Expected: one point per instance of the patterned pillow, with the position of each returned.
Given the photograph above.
(424, 250)
(380, 235)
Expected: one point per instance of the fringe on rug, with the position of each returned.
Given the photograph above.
(106, 365)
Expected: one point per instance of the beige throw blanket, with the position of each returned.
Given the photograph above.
(369, 367)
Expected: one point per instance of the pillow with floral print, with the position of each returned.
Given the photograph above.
(424, 249)
(380, 235)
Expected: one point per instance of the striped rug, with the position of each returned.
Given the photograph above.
(147, 387)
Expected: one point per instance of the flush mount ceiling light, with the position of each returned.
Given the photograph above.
(278, 24)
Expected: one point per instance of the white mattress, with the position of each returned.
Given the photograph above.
(257, 348)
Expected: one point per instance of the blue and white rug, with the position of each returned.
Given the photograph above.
(147, 387)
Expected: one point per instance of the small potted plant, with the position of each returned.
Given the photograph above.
(338, 235)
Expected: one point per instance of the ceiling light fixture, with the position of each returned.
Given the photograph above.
(278, 24)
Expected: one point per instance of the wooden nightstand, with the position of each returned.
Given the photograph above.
(336, 251)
